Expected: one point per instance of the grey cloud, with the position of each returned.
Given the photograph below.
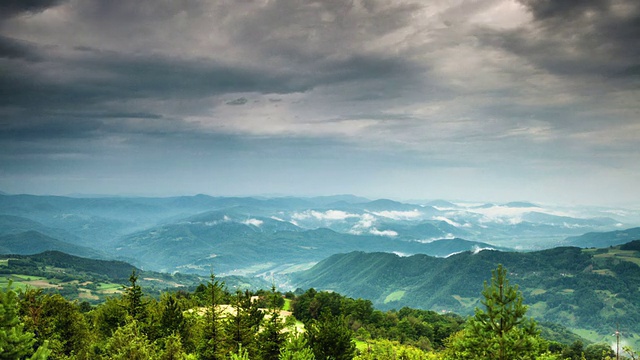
(10, 8)
(586, 37)
(564, 10)
(239, 101)
(16, 49)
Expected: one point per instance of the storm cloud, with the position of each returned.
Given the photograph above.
(497, 99)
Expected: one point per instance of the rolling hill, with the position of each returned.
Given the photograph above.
(581, 288)
(32, 242)
(604, 239)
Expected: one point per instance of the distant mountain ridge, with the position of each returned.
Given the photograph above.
(33, 242)
(581, 288)
(604, 239)
(259, 235)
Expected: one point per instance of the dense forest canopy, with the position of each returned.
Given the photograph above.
(212, 322)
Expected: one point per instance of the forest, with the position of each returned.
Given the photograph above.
(212, 322)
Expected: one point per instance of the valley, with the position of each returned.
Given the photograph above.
(575, 266)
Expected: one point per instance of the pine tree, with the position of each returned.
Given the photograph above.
(173, 349)
(211, 347)
(129, 343)
(271, 339)
(330, 338)
(296, 348)
(500, 331)
(243, 324)
(15, 343)
(172, 320)
(133, 297)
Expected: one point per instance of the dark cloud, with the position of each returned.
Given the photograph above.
(16, 49)
(585, 37)
(564, 10)
(9, 8)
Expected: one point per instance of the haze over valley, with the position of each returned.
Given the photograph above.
(271, 236)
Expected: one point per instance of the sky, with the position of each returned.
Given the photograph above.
(500, 100)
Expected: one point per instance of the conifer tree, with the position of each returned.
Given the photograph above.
(243, 323)
(330, 338)
(211, 347)
(129, 343)
(173, 349)
(296, 348)
(271, 339)
(133, 297)
(500, 331)
(15, 343)
(172, 320)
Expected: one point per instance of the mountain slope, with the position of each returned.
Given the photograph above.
(604, 239)
(579, 288)
(33, 242)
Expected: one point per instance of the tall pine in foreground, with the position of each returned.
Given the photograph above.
(15, 343)
(500, 331)
(213, 337)
(271, 339)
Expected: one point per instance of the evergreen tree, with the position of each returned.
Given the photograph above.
(109, 316)
(59, 322)
(173, 349)
(330, 338)
(271, 339)
(133, 298)
(211, 346)
(500, 331)
(129, 343)
(243, 324)
(172, 319)
(296, 348)
(15, 343)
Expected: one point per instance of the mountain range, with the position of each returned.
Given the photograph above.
(584, 289)
(271, 236)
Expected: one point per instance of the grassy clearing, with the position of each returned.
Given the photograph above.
(624, 255)
(538, 292)
(466, 302)
(87, 295)
(537, 309)
(298, 267)
(108, 286)
(394, 296)
(287, 305)
(606, 272)
(4, 262)
(15, 283)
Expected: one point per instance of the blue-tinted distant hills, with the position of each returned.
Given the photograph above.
(604, 239)
(257, 234)
(32, 242)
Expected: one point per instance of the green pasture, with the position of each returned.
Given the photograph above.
(287, 305)
(394, 296)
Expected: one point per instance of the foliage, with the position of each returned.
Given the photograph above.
(15, 342)
(500, 331)
(580, 288)
(209, 323)
(330, 338)
(296, 348)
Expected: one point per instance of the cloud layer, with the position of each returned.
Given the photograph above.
(493, 99)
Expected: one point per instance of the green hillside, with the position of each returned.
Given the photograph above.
(94, 280)
(604, 239)
(34, 242)
(589, 289)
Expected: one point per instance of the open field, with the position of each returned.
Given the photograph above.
(394, 296)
